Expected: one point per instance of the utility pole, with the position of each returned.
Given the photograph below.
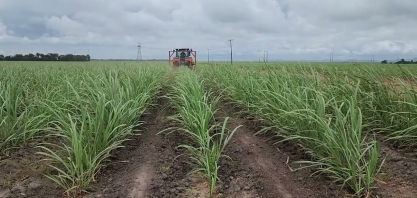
(139, 55)
(331, 57)
(208, 55)
(373, 59)
(231, 51)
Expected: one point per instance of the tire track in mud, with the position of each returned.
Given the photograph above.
(152, 150)
(154, 168)
(141, 161)
(259, 169)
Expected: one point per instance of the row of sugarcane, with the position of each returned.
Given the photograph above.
(80, 114)
(325, 119)
(196, 109)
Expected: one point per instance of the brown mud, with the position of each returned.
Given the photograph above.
(136, 167)
(21, 175)
(399, 174)
(265, 168)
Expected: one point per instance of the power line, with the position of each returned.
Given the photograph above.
(231, 51)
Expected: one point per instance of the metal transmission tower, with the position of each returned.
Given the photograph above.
(139, 55)
(331, 57)
(231, 51)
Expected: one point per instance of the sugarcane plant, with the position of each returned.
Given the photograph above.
(196, 108)
(325, 119)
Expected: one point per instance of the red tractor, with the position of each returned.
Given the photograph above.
(183, 57)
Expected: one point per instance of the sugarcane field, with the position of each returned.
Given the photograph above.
(129, 129)
(208, 99)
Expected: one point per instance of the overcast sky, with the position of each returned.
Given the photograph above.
(288, 29)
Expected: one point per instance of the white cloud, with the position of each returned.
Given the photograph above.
(66, 26)
(295, 29)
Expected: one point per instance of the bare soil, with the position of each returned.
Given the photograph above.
(399, 174)
(133, 171)
(21, 175)
(399, 83)
(398, 178)
(140, 162)
(265, 168)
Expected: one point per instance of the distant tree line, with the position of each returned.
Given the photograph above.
(402, 61)
(45, 57)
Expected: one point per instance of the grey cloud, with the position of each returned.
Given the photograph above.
(284, 6)
(31, 30)
(232, 11)
(262, 16)
(3, 29)
(295, 29)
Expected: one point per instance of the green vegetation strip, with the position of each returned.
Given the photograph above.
(87, 111)
(196, 109)
(84, 110)
(327, 125)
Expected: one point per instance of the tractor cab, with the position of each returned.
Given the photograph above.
(182, 53)
(183, 56)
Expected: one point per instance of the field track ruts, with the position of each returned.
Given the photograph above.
(150, 166)
(255, 157)
(143, 168)
(147, 155)
(269, 163)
